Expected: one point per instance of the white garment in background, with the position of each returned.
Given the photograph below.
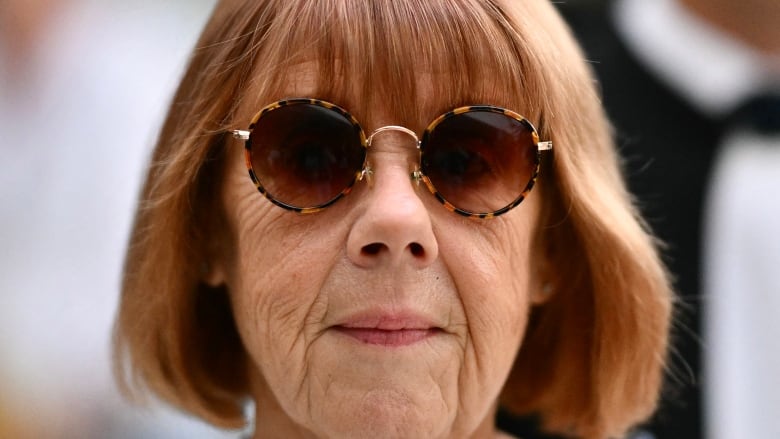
(743, 280)
(75, 134)
(741, 236)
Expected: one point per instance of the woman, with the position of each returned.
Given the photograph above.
(379, 274)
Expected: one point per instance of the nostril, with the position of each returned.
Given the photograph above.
(372, 249)
(375, 248)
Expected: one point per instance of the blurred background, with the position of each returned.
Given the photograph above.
(693, 90)
(691, 86)
(84, 85)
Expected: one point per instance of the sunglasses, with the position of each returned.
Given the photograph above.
(478, 161)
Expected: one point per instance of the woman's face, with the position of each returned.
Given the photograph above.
(385, 315)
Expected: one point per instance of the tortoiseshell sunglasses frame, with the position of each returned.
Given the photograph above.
(365, 142)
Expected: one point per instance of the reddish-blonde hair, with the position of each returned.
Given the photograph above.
(592, 360)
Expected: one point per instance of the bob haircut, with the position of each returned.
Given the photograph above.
(602, 335)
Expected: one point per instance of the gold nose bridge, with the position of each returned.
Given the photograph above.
(393, 128)
(416, 175)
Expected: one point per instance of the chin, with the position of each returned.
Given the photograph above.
(386, 414)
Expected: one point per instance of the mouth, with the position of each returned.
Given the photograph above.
(388, 330)
(389, 338)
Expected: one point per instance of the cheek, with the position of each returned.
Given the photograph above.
(277, 305)
(492, 273)
(491, 270)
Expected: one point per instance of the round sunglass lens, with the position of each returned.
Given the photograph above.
(305, 155)
(480, 161)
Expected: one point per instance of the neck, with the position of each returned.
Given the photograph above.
(754, 22)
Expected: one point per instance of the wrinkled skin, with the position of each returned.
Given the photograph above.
(455, 291)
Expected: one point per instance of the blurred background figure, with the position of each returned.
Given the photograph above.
(83, 87)
(692, 87)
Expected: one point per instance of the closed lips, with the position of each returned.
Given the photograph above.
(384, 337)
(387, 330)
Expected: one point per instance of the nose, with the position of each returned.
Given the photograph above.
(394, 226)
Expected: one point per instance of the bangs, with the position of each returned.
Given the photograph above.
(412, 59)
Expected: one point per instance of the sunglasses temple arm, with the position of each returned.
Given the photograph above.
(545, 146)
(240, 134)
